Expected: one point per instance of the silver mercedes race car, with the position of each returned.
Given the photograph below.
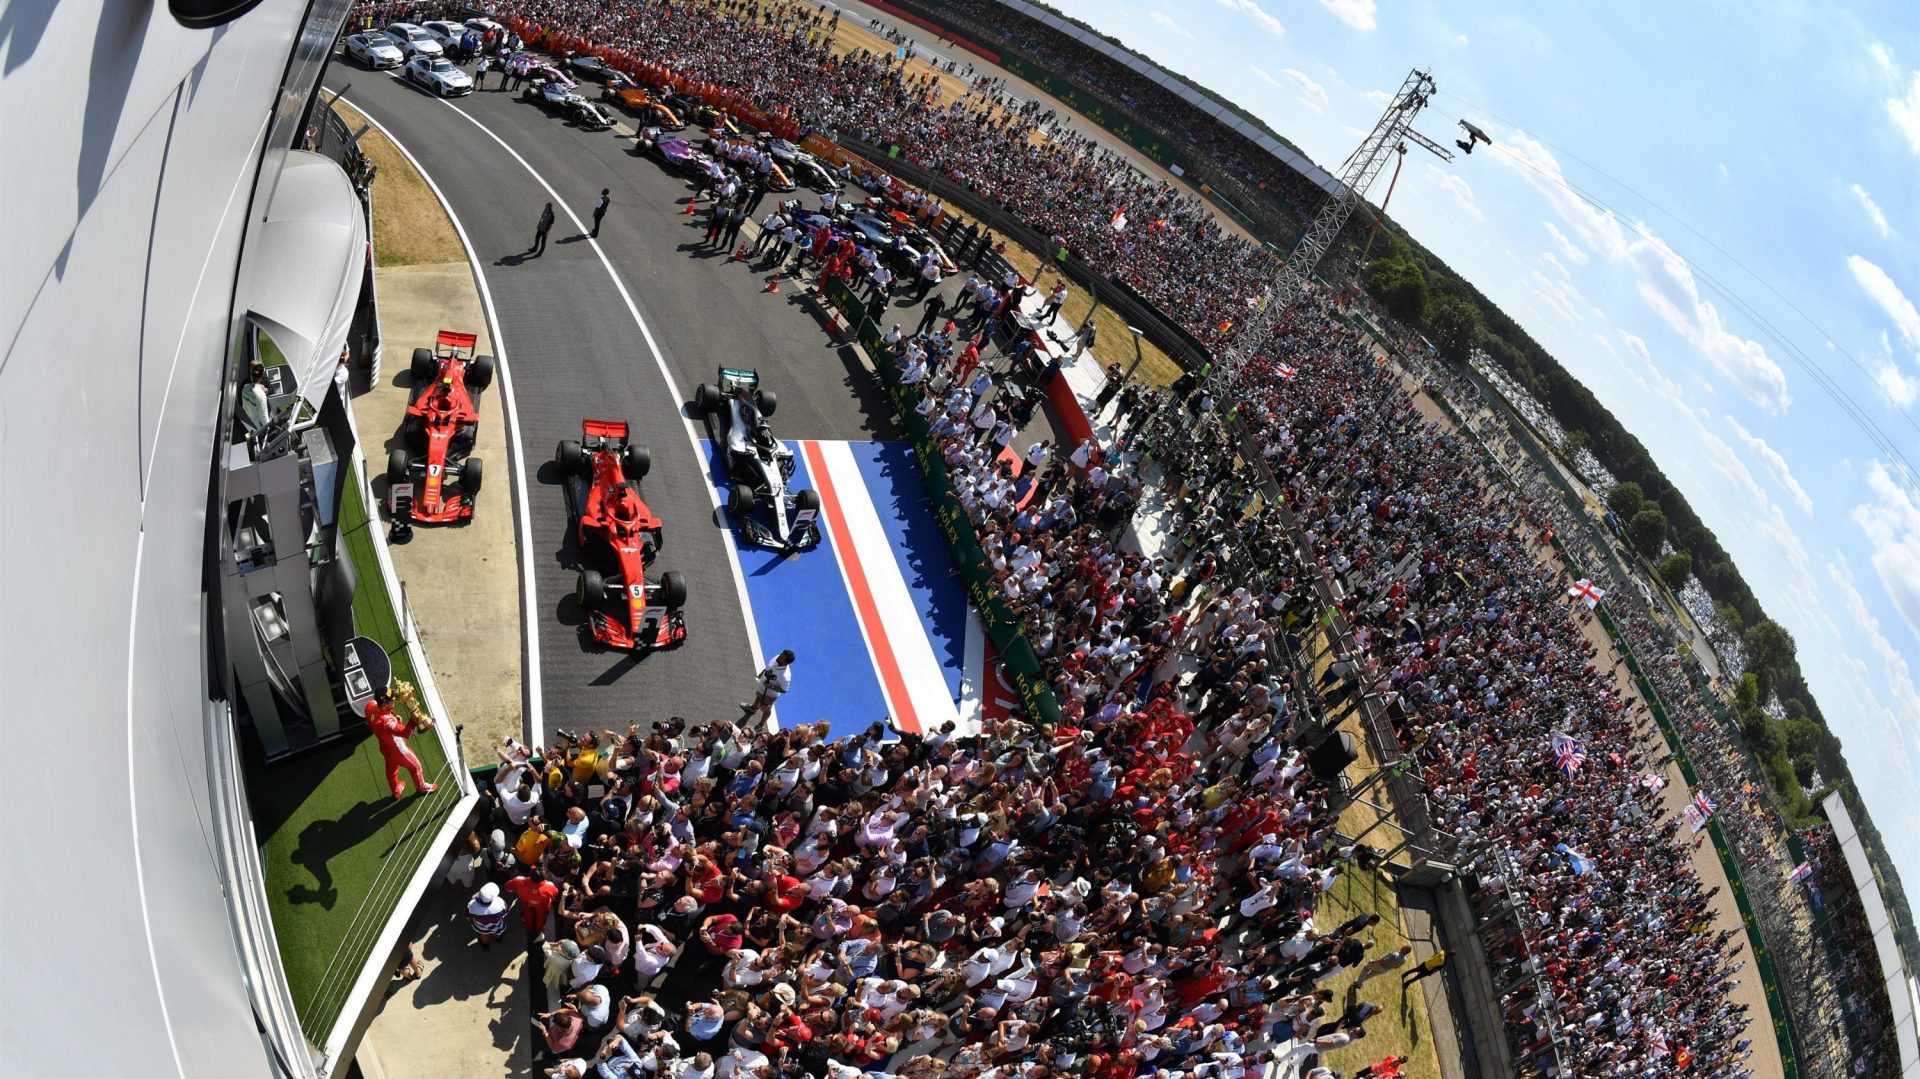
(554, 91)
(760, 465)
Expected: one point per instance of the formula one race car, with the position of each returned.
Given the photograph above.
(618, 537)
(803, 167)
(897, 241)
(760, 464)
(643, 104)
(438, 431)
(675, 153)
(554, 92)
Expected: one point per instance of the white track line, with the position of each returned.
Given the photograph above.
(536, 733)
(694, 437)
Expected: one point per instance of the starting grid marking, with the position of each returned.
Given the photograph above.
(876, 615)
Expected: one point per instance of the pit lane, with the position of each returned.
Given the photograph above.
(575, 351)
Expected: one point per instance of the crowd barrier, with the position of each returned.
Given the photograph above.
(1017, 657)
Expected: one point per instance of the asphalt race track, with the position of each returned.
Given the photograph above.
(574, 351)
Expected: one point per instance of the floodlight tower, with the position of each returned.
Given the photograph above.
(1387, 141)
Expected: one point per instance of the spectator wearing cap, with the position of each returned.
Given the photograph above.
(487, 913)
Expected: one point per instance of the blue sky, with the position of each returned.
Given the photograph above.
(1782, 138)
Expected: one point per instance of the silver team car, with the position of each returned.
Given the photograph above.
(759, 464)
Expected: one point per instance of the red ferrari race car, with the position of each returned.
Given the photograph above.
(439, 428)
(618, 537)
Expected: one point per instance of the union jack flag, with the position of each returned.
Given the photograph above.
(1657, 1040)
(1288, 371)
(1567, 754)
(1705, 804)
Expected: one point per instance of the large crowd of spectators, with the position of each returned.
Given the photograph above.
(1858, 990)
(1464, 630)
(1032, 900)
(1756, 829)
(1171, 248)
(1277, 196)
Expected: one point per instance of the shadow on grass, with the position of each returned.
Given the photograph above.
(324, 840)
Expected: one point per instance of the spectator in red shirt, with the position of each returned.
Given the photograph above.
(536, 896)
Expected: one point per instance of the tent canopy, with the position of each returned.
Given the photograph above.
(310, 261)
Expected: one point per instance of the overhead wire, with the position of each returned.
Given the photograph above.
(1834, 390)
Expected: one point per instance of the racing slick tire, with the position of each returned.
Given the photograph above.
(424, 364)
(570, 458)
(472, 475)
(480, 373)
(591, 586)
(807, 500)
(706, 399)
(398, 465)
(768, 402)
(740, 501)
(635, 461)
(672, 590)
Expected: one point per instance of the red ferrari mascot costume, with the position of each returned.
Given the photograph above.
(392, 732)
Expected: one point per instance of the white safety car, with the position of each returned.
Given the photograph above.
(376, 50)
(437, 73)
(412, 40)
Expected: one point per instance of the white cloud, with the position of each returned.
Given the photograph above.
(1883, 291)
(1883, 57)
(1905, 113)
(1774, 465)
(1721, 168)
(1901, 389)
(1258, 14)
(1169, 23)
(1892, 525)
(1456, 185)
(1307, 92)
(1666, 281)
(1379, 99)
(1460, 40)
(1574, 252)
(1534, 163)
(1873, 211)
(1892, 719)
(1762, 517)
(1667, 285)
(1653, 380)
(1355, 13)
(1559, 267)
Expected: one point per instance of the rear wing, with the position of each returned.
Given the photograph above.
(615, 430)
(449, 341)
(734, 376)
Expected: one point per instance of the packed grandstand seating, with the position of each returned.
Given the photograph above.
(1278, 197)
(1173, 250)
(1465, 631)
(959, 891)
